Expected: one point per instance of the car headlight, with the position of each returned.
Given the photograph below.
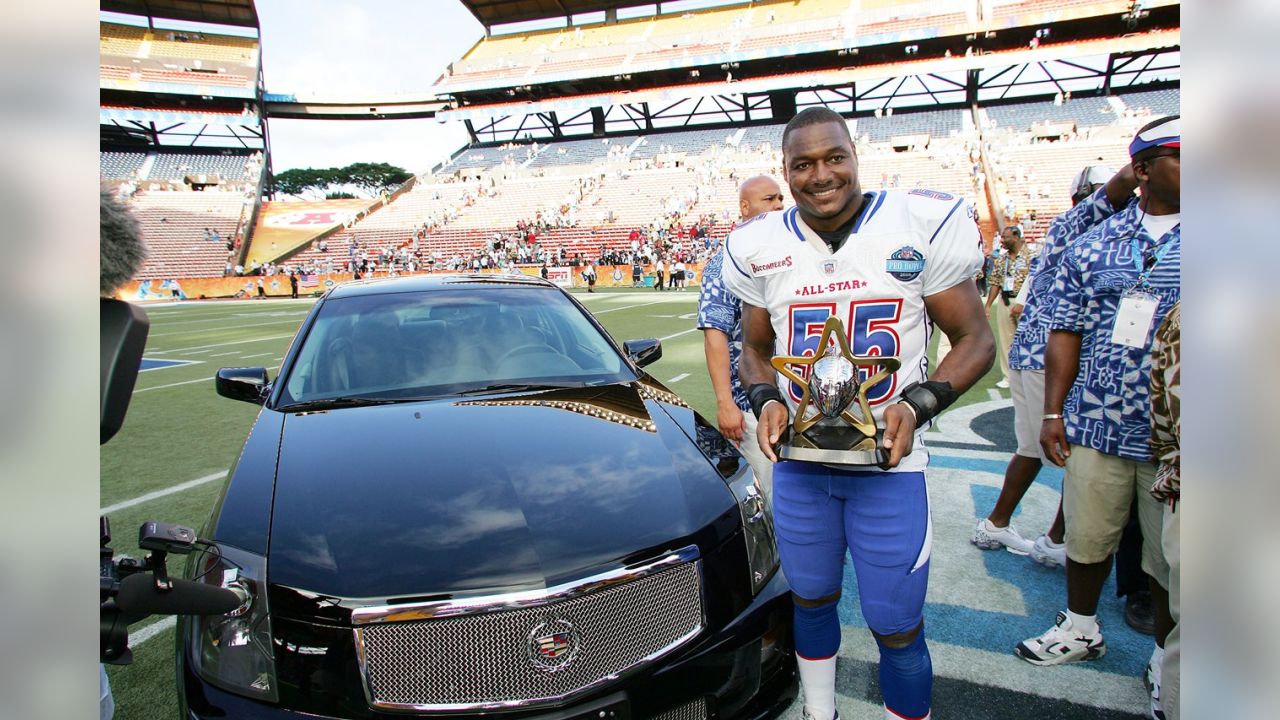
(233, 651)
(757, 527)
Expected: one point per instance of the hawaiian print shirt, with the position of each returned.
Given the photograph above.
(1026, 351)
(1108, 408)
(1166, 395)
(721, 310)
(1016, 267)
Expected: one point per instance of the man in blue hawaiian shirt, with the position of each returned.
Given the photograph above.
(1096, 195)
(1115, 285)
(720, 319)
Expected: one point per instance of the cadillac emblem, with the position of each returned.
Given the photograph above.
(552, 645)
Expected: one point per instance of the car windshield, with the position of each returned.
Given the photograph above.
(402, 346)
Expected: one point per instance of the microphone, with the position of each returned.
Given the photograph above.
(138, 594)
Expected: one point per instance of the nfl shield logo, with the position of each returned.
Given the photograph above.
(829, 267)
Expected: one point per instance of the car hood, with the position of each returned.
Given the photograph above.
(479, 495)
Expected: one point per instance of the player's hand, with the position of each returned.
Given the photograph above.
(1015, 311)
(773, 423)
(729, 418)
(1053, 441)
(899, 433)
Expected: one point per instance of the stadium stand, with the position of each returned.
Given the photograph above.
(173, 226)
(936, 123)
(1085, 111)
(1038, 176)
(120, 165)
(176, 166)
(1158, 102)
(571, 153)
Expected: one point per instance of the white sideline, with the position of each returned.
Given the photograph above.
(152, 630)
(161, 493)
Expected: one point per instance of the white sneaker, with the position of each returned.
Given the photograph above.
(1049, 553)
(1061, 644)
(990, 537)
(1151, 681)
(1003, 384)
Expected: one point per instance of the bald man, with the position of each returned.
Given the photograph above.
(720, 319)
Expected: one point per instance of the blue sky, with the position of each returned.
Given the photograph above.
(369, 51)
(365, 51)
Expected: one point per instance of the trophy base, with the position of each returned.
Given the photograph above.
(834, 446)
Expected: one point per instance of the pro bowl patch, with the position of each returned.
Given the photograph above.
(906, 263)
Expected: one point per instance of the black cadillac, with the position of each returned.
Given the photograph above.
(460, 498)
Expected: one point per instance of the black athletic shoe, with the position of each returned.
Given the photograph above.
(1139, 613)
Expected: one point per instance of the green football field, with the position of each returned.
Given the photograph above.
(179, 438)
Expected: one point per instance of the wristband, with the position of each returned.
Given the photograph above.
(760, 394)
(928, 399)
(1051, 416)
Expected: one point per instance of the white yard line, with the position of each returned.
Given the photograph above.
(994, 394)
(624, 307)
(190, 382)
(218, 345)
(233, 352)
(678, 378)
(682, 332)
(152, 630)
(232, 327)
(246, 357)
(161, 493)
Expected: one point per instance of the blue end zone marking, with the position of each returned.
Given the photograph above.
(1043, 590)
(153, 364)
(945, 219)
(1048, 476)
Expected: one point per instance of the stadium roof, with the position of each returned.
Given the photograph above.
(501, 12)
(219, 12)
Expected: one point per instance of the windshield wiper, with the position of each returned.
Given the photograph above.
(518, 387)
(344, 401)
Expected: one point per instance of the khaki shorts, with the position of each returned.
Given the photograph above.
(1027, 387)
(1096, 495)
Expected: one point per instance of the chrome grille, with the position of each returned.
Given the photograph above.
(458, 661)
(696, 710)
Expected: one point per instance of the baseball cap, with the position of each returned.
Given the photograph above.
(1088, 177)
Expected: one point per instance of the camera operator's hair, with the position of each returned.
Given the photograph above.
(121, 251)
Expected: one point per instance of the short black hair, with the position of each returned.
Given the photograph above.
(1144, 155)
(816, 115)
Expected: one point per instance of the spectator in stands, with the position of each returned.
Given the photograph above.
(1026, 364)
(1166, 441)
(1115, 284)
(720, 320)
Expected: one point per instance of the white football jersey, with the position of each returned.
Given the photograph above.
(907, 245)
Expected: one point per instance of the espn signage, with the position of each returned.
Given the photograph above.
(561, 276)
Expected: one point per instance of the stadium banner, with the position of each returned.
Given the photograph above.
(246, 286)
(286, 226)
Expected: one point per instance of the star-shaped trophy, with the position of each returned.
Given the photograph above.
(830, 393)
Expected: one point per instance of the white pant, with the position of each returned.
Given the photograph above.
(750, 448)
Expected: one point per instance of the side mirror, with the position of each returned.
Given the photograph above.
(643, 352)
(247, 384)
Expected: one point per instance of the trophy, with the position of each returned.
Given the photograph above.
(830, 393)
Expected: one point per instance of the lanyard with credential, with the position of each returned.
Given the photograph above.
(1137, 259)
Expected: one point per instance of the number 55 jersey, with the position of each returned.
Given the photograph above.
(904, 247)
